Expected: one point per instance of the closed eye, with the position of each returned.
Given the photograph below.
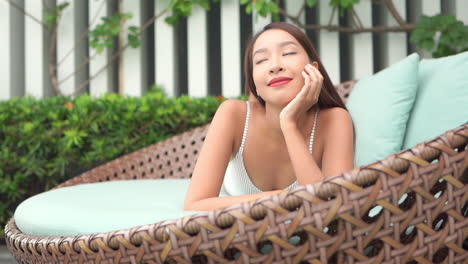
(288, 53)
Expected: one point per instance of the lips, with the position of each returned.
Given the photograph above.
(279, 81)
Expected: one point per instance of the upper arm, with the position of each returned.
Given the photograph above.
(338, 153)
(208, 174)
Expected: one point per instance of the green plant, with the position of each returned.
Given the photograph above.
(53, 14)
(263, 8)
(102, 35)
(342, 5)
(45, 142)
(183, 8)
(442, 35)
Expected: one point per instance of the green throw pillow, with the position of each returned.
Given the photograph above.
(442, 99)
(379, 106)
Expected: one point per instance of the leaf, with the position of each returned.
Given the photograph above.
(133, 41)
(205, 4)
(171, 20)
(248, 8)
(133, 29)
(99, 49)
(428, 44)
(311, 3)
(273, 7)
(62, 6)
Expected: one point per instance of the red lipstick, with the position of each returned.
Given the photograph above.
(278, 81)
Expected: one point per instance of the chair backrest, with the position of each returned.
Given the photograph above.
(174, 157)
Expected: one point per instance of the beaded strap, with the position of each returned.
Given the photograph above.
(246, 126)
(311, 141)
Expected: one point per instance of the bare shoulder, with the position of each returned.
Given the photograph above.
(231, 109)
(335, 116)
(229, 121)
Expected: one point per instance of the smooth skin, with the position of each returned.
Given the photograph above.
(277, 145)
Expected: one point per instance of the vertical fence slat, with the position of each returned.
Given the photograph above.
(100, 84)
(5, 78)
(81, 46)
(37, 38)
(147, 45)
(12, 50)
(395, 46)
(164, 53)
(362, 61)
(197, 53)
(462, 11)
(133, 83)
(329, 43)
(379, 52)
(17, 59)
(430, 7)
(258, 22)
(292, 8)
(213, 46)
(34, 77)
(230, 48)
(245, 33)
(65, 49)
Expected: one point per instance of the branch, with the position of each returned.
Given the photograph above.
(88, 59)
(355, 15)
(394, 12)
(52, 57)
(403, 28)
(27, 14)
(303, 7)
(79, 68)
(115, 56)
(83, 36)
(331, 16)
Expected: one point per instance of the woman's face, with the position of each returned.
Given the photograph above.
(278, 60)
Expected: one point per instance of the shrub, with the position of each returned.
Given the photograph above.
(45, 142)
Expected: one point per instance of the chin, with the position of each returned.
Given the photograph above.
(281, 101)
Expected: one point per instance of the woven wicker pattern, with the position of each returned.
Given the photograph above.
(345, 88)
(408, 208)
(171, 158)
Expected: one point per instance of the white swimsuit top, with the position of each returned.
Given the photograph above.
(236, 180)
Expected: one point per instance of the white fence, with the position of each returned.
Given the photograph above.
(200, 56)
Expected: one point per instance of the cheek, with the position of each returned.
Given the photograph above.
(257, 77)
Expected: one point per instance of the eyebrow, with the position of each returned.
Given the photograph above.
(281, 44)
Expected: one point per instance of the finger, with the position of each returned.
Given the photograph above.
(317, 73)
(319, 80)
(306, 88)
(314, 81)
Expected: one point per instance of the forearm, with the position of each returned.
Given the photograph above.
(304, 165)
(215, 203)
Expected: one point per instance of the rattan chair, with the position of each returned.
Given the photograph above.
(418, 199)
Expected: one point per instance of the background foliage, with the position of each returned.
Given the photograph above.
(45, 142)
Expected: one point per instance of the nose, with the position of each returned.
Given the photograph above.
(276, 69)
(275, 65)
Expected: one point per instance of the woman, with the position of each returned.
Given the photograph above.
(294, 131)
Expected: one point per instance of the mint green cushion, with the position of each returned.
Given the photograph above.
(379, 106)
(442, 99)
(102, 207)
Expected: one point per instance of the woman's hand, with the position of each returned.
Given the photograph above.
(305, 99)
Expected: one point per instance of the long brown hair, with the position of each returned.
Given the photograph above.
(328, 95)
